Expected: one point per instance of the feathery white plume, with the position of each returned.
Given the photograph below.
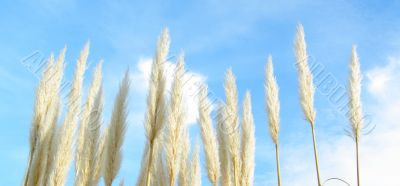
(63, 156)
(116, 133)
(305, 77)
(248, 143)
(208, 136)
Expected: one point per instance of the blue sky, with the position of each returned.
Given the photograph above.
(215, 36)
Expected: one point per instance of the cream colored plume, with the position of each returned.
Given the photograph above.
(99, 161)
(208, 136)
(185, 167)
(306, 89)
(155, 114)
(273, 109)
(116, 133)
(89, 131)
(63, 156)
(248, 143)
(305, 77)
(195, 167)
(47, 107)
(176, 124)
(355, 106)
(232, 125)
(272, 101)
(160, 170)
(224, 155)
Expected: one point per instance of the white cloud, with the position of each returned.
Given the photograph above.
(381, 79)
(191, 82)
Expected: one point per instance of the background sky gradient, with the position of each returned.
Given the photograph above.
(217, 35)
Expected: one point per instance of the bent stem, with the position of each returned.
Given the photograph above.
(172, 181)
(27, 172)
(277, 164)
(358, 163)
(315, 154)
(235, 172)
(149, 165)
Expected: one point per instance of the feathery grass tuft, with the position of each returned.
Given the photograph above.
(356, 113)
(184, 173)
(144, 170)
(51, 145)
(224, 155)
(232, 128)
(208, 136)
(155, 114)
(93, 151)
(89, 131)
(176, 122)
(116, 133)
(65, 140)
(99, 161)
(355, 94)
(160, 171)
(195, 165)
(273, 109)
(46, 114)
(248, 143)
(306, 88)
(272, 101)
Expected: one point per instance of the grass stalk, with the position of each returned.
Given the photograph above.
(358, 163)
(316, 155)
(278, 170)
(148, 176)
(355, 104)
(155, 114)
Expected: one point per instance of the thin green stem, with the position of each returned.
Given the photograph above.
(235, 172)
(172, 181)
(358, 163)
(316, 154)
(149, 165)
(277, 164)
(28, 171)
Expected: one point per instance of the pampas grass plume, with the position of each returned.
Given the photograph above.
(273, 108)
(155, 114)
(89, 131)
(65, 140)
(116, 133)
(223, 150)
(248, 143)
(176, 122)
(233, 137)
(306, 88)
(305, 76)
(355, 106)
(195, 167)
(208, 136)
(272, 101)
